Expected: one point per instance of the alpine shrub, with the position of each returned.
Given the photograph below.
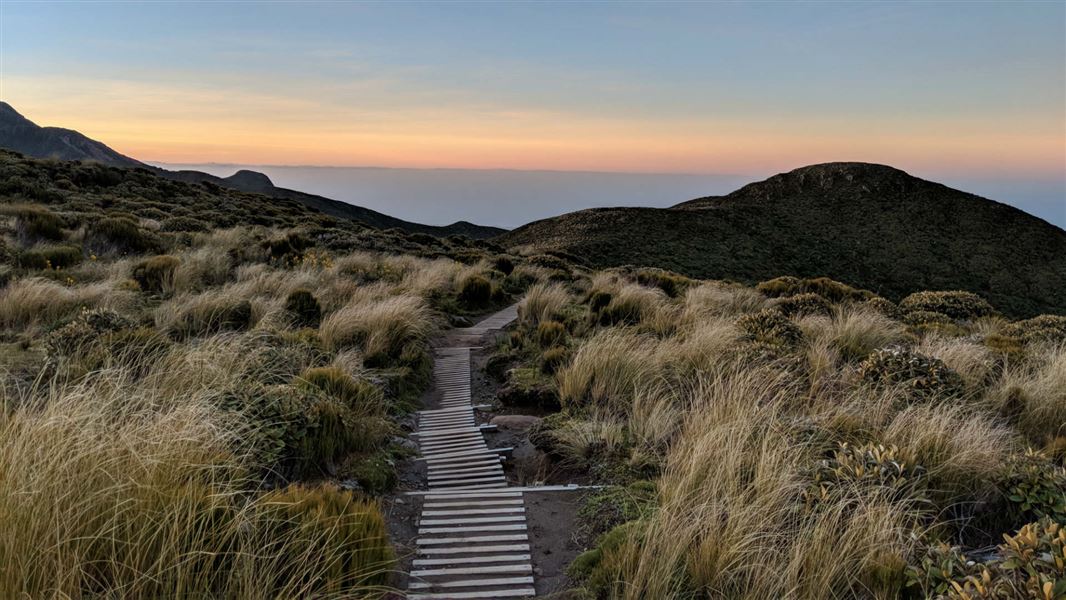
(955, 304)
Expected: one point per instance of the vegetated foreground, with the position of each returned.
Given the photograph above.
(203, 400)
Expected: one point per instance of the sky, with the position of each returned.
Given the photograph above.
(969, 94)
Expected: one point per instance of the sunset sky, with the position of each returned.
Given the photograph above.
(951, 90)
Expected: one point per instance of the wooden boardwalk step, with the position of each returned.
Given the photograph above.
(473, 570)
(471, 560)
(490, 594)
(420, 585)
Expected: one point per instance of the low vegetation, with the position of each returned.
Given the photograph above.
(185, 387)
(802, 439)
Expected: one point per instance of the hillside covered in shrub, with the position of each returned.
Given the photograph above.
(869, 225)
(202, 390)
(798, 439)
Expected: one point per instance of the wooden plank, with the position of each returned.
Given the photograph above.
(474, 549)
(490, 594)
(471, 528)
(470, 560)
(474, 429)
(469, 453)
(492, 482)
(474, 511)
(471, 539)
(486, 467)
(470, 519)
(419, 585)
(445, 505)
(497, 470)
(526, 568)
(433, 496)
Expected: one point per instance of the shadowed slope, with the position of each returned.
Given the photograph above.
(869, 225)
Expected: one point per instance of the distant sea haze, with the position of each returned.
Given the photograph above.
(510, 198)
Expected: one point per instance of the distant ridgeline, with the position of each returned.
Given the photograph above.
(26, 137)
(869, 225)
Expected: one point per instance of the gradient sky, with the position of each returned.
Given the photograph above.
(947, 91)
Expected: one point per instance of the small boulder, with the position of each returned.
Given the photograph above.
(515, 422)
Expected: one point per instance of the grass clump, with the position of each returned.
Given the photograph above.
(381, 328)
(156, 274)
(550, 333)
(475, 291)
(50, 257)
(955, 304)
(543, 302)
(357, 394)
(304, 308)
(35, 223)
(120, 235)
(205, 314)
(672, 284)
(552, 359)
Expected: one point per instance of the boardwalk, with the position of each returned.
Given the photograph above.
(472, 540)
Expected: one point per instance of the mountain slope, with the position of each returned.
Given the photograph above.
(26, 137)
(868, 225)
(22, 135)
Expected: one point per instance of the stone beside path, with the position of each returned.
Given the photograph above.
(472, 537)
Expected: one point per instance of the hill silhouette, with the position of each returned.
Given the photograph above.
(22, 135)
(870, 225)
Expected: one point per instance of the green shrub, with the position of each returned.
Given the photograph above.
(120, 235)
(1029, 564)
(1036, 486)
(769, 326)
(803, 304)
(834, 291)
(921, 318)
(671, 283)
(926, 377)
(885, 469)
(548, 261)
(83, 330)
(614, 505)
(475, 291)
(1051, 328)
(335, 534)
(375, 472)
(553, 358)
(157, 273)
(184, 224)
(50, 257)
(503, 264)
(955, 304)
(884, 306)
(357, 394)
(550, 333)
(33, 224)
(304, 308)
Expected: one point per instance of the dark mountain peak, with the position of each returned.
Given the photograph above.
(835, 179)
(11, 118)
(250, 181)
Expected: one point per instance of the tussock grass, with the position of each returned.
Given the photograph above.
(542, 302)
(381, 328)
(148, 497)
(30, 301)
(1033, 395)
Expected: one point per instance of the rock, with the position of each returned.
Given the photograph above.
(515, 422)
(351, 485)
(405, 443)
(458, 321)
